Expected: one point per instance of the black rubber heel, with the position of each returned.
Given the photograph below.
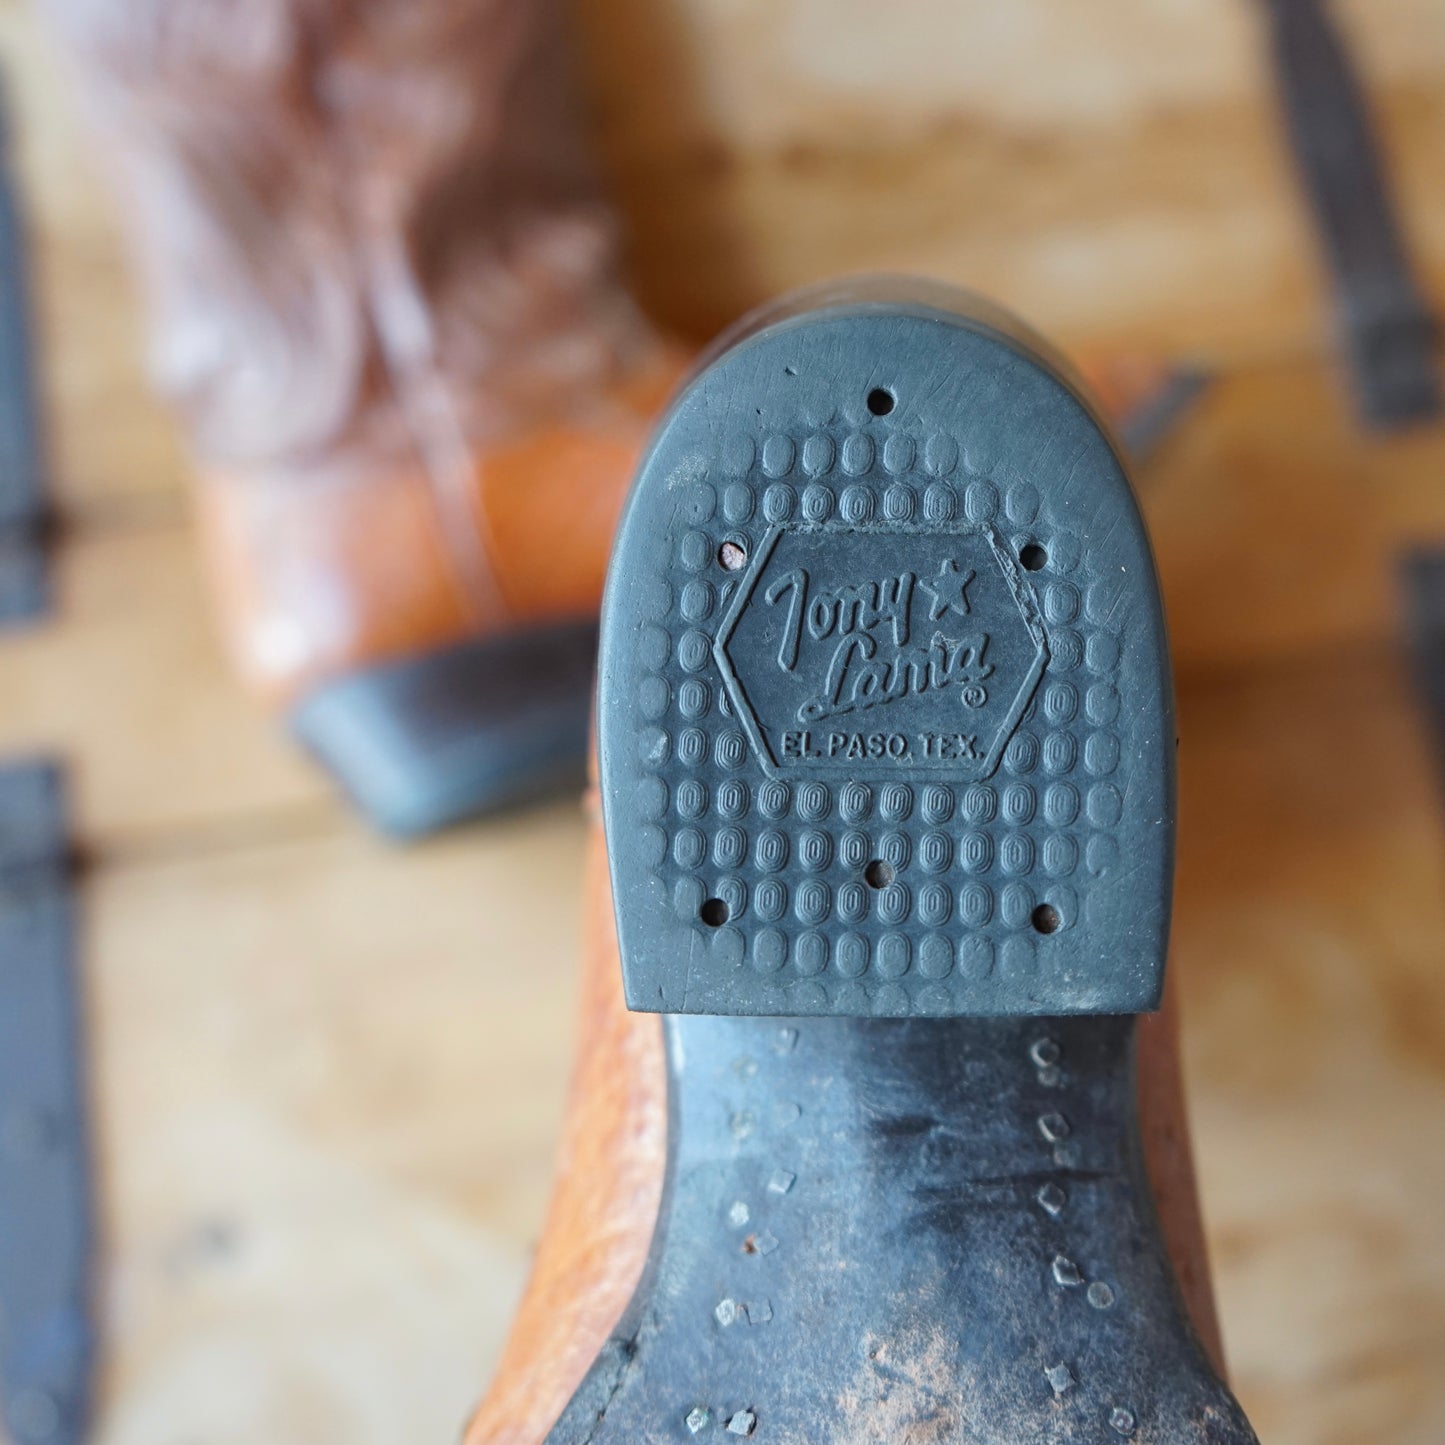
(885, 718)
(429, 741)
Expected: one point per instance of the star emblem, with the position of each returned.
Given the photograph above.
(950, 584)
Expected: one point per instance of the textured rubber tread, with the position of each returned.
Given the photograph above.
(885, 712)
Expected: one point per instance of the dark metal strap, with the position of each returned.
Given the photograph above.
(1423, 577)
(1387, 330)
(1146, 425)
(23, 587)
(46, 1341)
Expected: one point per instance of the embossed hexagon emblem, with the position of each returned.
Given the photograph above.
(896, 649)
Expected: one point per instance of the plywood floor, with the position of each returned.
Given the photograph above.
(327, 1072)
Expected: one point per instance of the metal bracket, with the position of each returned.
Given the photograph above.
(24, 586)
(1388, 332)
(1147, 424)
(1423, 581)
(46, 1234)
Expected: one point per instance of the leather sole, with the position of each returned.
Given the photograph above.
(928, 1230)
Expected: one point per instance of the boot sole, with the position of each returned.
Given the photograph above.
(886, 742)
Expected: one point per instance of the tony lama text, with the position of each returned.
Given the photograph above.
(867, 630)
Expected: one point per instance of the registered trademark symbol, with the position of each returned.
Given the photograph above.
(975, 695)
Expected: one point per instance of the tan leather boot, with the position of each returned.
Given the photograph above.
(886, 752)
(384, 297)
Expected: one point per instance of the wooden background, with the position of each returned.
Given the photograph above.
(327, 1073)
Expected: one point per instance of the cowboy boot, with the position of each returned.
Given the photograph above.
(886, 764)
(384, 298)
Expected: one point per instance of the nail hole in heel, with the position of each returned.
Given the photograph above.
(878, 874)
(1033, 557)
(714, 912)
(880, 401)
(732, 557)
(1046, 918)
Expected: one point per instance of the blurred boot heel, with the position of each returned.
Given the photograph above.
(427, 741)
